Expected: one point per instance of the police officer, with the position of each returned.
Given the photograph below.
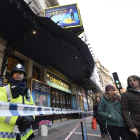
(16, 92)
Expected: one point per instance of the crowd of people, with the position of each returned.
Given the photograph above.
(119, 116)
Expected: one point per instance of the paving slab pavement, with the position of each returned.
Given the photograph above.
(61, 130)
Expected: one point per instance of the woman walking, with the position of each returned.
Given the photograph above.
(101, 121)
(110, 108)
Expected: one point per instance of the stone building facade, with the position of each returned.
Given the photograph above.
(37, 8)
(104, 75)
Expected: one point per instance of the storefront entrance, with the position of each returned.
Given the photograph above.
(60, 99)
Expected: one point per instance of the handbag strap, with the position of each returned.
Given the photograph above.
(115, 108)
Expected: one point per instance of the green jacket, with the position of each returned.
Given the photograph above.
(105, 109)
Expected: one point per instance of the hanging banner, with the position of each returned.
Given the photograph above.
(56, 82)
(40, 93)
(65, 16)
(73, 101)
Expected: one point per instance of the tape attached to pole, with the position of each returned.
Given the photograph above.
(11, 109)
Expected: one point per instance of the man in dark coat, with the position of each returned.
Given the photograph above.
(131, 105)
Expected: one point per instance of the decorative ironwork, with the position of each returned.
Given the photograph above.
(8, 52)
(30, 16)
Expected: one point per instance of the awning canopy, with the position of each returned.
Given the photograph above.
(50, 45)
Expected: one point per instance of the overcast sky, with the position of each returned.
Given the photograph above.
(113, 29)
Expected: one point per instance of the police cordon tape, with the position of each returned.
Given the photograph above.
(68, 137)
(12, 109)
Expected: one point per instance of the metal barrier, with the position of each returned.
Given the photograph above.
(12, 109)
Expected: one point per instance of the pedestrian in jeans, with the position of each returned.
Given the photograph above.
(131, 105)
(101, 121)
(110, 108)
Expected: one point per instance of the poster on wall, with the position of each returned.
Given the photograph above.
(85, 104)
(90, 103)
(40, 93)
(73, 101)
(65, 16)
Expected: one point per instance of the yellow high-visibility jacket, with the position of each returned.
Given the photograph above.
(7, 124)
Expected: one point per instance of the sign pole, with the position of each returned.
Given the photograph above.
(83, 127)
(120, 91)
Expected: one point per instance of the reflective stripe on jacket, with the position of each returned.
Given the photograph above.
(7, 123)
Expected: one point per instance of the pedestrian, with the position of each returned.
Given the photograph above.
(101, 121)
(110, 108)
(131, 105)
(16, 92)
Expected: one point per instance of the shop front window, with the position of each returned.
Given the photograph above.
(60, 99)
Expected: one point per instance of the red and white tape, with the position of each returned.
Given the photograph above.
(72, 131)
(76, 128)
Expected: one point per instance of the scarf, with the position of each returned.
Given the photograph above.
(114, 98)
(20, 84)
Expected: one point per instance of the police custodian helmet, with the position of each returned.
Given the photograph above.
(18, 67)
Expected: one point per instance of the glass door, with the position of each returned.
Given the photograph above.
(57, 99)
(62, 100)
(53, 99)
(68, 101)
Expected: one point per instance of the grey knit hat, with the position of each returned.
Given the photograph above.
(108, 87)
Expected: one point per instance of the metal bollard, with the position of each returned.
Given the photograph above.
(83, 126)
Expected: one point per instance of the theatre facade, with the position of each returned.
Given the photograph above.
(58, 64)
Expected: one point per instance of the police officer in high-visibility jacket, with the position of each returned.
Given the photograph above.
(16, 92)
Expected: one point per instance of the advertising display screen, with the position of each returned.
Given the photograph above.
(40, 93)
(65, 16)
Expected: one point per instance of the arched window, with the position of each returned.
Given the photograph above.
(36, 73)
(12, 61)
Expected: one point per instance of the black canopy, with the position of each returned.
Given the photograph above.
(50, 45)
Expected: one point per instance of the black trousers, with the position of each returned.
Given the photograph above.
(102, 126)
(139, 137)
(118, 132)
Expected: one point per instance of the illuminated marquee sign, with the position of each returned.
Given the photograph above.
(55, 82)
(65, 16)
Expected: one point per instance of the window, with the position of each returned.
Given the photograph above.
(60, 99)
(35, 73)
(53, 99)
(57, 99)
(12, 61)
(68, 101)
